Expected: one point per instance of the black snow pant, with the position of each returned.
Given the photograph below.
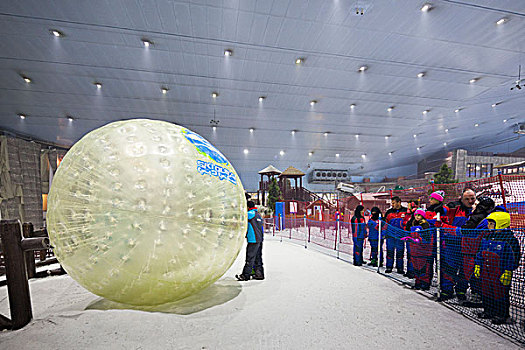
(253, 260)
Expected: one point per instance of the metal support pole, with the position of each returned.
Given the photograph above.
(379, 245)
(500, 177)
(438, 256)
(305, 233)
(337, 235)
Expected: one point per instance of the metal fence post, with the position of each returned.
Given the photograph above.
(305, 234)
(438, 255)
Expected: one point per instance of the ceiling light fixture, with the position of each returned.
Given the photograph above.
(363, 68)
(363, 156)
(446, 130)
(418, 148)
(310, 153)
(98, 85)
(502, 20)
(426, 111)
(473, 80)
(415, 135)
(495, 104)
(389, 109)
(281, 153)
(261, 98)
(299, 60)
(246, 151)
(386, 137)
(214, 94)
(22, 116)
(214, 128)
(56, 33)
(352, 105)
(389, 153)
(26, 79)
(476, 125)
(337, 155)
(164, 90)
(228, 52)
(504, 120)
(457, 110)
(313, 102)
(356, 136)
(421, 74)
(293, 132)
(326, 133)
(70, 118)
(146, 42)
(251, 130)
(426, 7)
(444, 143)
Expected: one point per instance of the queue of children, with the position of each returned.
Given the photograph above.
(478, 249)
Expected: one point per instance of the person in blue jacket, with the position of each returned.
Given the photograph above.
(396, 219)
(358, 234)
(255, 237)
(498, 256)
(373, 236)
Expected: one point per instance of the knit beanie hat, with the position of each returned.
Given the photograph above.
(420, 212)
(438, 195)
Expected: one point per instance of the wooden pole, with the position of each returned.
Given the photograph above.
(27, 231)
(16, 274)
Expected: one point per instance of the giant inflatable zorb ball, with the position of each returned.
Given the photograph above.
(145, 212)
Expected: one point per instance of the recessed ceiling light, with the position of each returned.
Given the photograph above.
(251, 130)
(386, 137)
(337, 155)
(389, 109)
(444, 143)
(98, 85)
(26, 79)
(495, 104)
(352, 105)
(502, 20)
(147, 42)
(310, 153)
(426, 111)
(246, 151)
(228, 53)
(293, 132)
(70, 118)
(56, 33)
(214, 128)
(214, 94)
(281, 153)
(363, 156)
(504, 120)
(363, 68)
(421, 74)
(164, 90)
(326, 134)
(418, 148)
(426, 7)
(261, 98)
(299, 60)
(389, 153)
(476, 125)
(473, 80)
(446, 130)
(415, 135)
(356, 136)
(457, 110)
(22, 116)
(313, 102)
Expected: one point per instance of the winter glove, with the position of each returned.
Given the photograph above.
(477, 271)
(506, 277)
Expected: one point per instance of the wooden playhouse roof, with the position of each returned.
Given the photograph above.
(271, 170)
(292, 172)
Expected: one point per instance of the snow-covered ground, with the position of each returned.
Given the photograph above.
(308, 301)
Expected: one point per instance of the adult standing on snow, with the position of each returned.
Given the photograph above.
(255, 237)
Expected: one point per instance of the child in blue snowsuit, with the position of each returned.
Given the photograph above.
(498, 256)
(358, 234)
(373, 236)
(396, 218)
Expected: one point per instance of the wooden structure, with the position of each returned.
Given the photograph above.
(270, 171)
(289, 192)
